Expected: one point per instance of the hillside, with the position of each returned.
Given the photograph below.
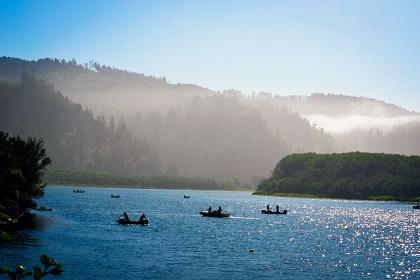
(187, 130)
(123, 92)
(350, 175)
(105, 90)
(73, 137)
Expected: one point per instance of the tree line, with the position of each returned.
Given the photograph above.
(353, 175)
(75, 139)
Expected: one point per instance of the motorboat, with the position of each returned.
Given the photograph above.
(215, 214)
(264, 211)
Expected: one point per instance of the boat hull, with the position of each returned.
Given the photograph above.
(124, 222)
(274, 212)
(214, 214)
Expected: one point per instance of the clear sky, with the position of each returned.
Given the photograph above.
(362, 48)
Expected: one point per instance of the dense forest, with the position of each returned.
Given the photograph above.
(96, 118)
(73, 137)
(349, 175)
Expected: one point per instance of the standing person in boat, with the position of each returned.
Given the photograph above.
(209, 209)
(277, 208)
(268, 207)
(219, 210)
(126, 216)
(142, 218)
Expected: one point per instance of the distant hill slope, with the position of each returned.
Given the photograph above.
(74, 138)
(349, 175)
(127, 92)
(103, 89)
(332, 104)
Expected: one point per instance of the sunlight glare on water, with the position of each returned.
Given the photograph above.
(317, 239)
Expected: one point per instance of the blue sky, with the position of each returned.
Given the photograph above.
(362, 48)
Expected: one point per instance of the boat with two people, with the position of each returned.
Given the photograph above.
(277, 212)
(186, 196)
(216, 214)
(125, 220)
(78, 191)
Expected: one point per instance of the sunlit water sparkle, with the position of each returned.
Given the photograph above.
(317, 239)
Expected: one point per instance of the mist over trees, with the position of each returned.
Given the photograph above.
(73, 137)
(127, 123)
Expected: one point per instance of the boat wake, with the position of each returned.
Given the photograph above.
(245, 218)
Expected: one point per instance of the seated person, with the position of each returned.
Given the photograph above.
(142, 218)
(219, 210)
(125, 216)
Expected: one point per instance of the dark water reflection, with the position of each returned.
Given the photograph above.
(318, 239)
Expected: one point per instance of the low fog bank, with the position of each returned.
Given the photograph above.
(339, 124)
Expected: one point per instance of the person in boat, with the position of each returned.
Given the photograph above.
(268, 207)
(277, 208)
(125, 216)
(142, 218)
(209, 209)
(219, 210)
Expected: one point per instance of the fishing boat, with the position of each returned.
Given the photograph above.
(416, 206)
(78, 191)
(130, 222)
(214, 214)
(264, 211)
(186, 196)
(115, 196)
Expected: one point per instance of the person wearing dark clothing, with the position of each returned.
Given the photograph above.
(142, 218)
(126, 216)
(277, 208)
(219, 210)
(268, 207)
(209, 209)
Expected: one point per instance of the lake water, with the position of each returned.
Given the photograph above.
(317, 239)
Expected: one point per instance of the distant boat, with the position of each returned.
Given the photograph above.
(214, 214)
(186, 196)
(78, 191)
(115, 196)
(264, 211)
(416, 206)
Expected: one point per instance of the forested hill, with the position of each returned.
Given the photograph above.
(73, 137)
(349, 175)
(105, 90)
(123, 92)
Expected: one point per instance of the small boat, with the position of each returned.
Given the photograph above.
(186, 196)
(264, 211)
(129, 222)
(115, 196)
(214, 214)
(416, 206)
(78, 191)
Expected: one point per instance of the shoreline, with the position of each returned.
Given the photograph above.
(66, 185)
(312, 196)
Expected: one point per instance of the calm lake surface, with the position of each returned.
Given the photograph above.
(317, 239)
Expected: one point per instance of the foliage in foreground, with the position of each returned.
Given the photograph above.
(22, 164)
(353, 175)
(50, 267)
